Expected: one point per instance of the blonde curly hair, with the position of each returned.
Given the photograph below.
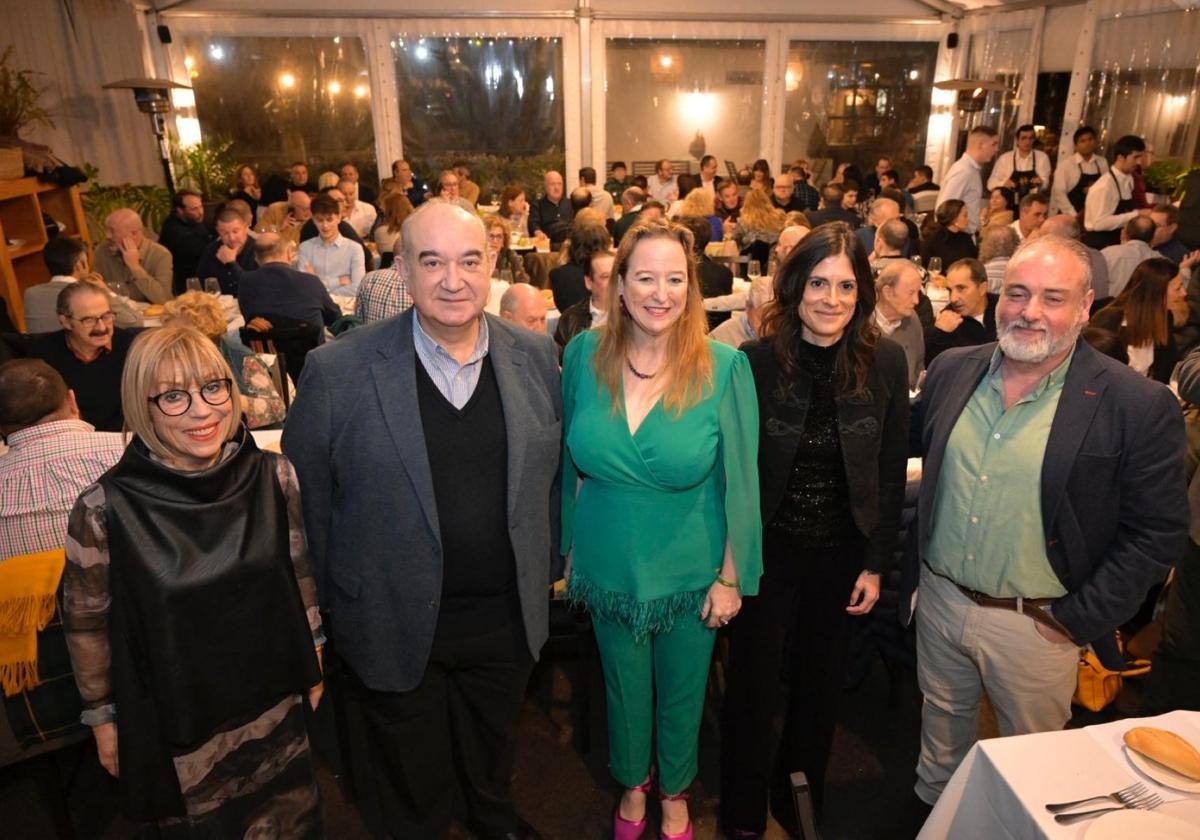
(198, 310)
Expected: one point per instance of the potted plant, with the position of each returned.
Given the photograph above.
(207, 167)
(19, 109)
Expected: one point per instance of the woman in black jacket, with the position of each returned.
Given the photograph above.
(1144, 316)
(833, 415)
(945, 235)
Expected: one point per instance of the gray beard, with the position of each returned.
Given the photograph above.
(1038, 350)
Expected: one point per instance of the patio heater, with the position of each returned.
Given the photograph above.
(153, 97)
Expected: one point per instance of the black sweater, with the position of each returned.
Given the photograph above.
(97, 384)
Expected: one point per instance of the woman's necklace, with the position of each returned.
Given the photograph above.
(637, 372)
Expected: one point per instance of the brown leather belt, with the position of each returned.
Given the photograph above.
(1017, 605)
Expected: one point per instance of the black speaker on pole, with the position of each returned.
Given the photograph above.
(951, 40)
(164, 33)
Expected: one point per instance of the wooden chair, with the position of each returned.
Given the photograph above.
(289, 340)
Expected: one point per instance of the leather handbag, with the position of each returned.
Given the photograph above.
(1098, 686)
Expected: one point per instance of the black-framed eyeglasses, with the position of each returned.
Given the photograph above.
(178, 400)
(90, 321)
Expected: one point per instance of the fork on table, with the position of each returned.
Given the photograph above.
(1144, 802)
(1119, 797)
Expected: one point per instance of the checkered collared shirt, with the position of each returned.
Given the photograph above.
(45, 469)
(382, 294)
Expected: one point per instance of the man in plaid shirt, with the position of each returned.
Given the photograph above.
(52, 456)
(381, 294)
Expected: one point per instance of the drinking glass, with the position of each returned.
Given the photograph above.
(753, 270)
(935, 265)
(193, 284)
(916, 260)
(212, 286)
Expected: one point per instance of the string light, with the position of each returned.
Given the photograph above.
(360, 91)
(287, 81)
(335, 87)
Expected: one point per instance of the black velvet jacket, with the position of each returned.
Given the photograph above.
(874, 435)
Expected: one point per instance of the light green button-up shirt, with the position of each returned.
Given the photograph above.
(986, 530)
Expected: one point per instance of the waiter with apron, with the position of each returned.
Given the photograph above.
(1109, 202)
(1022, 169)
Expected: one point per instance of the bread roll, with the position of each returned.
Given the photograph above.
(1167, 748)
(154, 310)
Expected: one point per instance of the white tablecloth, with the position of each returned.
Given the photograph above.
(1002, 787)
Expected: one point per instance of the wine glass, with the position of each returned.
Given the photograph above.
(193, 284)
(753, 270)
(916, 260)
(212, 286)
(935, 265)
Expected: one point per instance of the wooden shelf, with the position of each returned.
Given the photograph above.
(22, 203)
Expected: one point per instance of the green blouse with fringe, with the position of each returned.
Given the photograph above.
(648, 514)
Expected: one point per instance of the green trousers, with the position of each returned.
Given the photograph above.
(659, 682)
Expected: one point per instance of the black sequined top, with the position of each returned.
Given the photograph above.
(815, 510)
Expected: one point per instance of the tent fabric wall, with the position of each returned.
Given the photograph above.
(100, 42)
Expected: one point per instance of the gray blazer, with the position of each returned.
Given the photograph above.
(355, 437)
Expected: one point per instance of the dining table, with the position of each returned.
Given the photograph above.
(1002, 787)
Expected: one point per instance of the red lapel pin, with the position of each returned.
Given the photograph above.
(1088, 393)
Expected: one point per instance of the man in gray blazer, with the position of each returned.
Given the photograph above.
(427, 447)
(1052, 499)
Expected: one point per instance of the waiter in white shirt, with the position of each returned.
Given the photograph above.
(1022, 169)
(1077, 173)
(1109, 203)
(964, 180)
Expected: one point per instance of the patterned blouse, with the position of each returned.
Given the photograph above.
(86, 596)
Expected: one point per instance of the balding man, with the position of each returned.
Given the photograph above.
(130, 263)
(897, 292)
(891, 241)
(1067, 226)
(783, 194)
(360, 214)
(551, 213)
(1052, 499)
(882, 210)
(789, 238)
(1133, 250)
(746, 325)
(287, 217)
(439, 581)
(280, 293)
(524, 305)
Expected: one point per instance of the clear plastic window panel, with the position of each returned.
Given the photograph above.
(495, 102)
(1145, 79)
(1000, 56)
(682, 100)
(850, 102)
(285, 99)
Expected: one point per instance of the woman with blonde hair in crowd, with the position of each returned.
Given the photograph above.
(190, 609)
(660, 516)
(396, 208)
(498, 236)
(702, 203)
(327, 180)
(758, 226)
(261, 402)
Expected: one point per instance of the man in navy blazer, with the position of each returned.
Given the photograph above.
(1052, 498)
(427, 447)
(275, 289)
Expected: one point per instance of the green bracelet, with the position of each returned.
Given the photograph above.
(723, 582)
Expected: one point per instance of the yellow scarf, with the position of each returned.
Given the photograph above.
(28, 583)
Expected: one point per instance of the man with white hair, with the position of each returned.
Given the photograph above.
(789, 238)
(524, 305)
(897, 292)
(746, 326)
(1052, 499)
(551, 213)
(359, 213)
(439, 580)
(130, 263)
(997, 243)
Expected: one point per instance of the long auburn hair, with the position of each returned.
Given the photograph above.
(782, 324)
(759, 212)
(688, 370)
(1144, 301)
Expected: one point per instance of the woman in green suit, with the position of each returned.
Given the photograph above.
(660, 509)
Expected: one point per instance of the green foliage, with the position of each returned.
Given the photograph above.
(1166, 176)
(19, 97)
(207, 167)
(495, 172)
(151, 202)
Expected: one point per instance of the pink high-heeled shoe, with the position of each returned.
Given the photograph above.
(686, 834)
(624, 829)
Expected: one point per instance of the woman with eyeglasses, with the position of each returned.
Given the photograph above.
(190, 608)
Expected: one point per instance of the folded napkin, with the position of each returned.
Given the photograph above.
(28, 583)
